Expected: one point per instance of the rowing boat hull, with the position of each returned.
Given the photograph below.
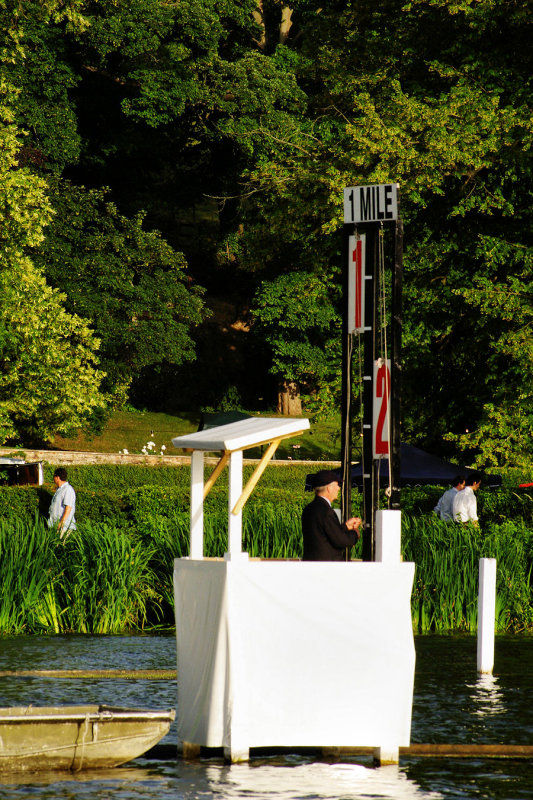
(77, 737)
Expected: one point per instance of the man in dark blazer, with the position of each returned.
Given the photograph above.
(325, 538)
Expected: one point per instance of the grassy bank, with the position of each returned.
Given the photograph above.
(133, 429)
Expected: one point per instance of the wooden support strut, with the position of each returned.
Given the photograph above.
(210, 482)
(258, 471)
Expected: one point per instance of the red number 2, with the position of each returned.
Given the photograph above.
(383, 391)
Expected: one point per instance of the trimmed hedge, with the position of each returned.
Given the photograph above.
(126, 503)
(25, 503)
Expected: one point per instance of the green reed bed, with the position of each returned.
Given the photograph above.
(111, 579)
(446, 556)
(107, 581)
(99, 580)
(446, 578)
(29, 571)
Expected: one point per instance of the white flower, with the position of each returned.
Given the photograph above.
(125, 452)
(150, 445)
(163, 447)
(144, 451)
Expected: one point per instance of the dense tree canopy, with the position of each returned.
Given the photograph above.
(49, 381)
(448, 116)
(232, 128)
(128, 281)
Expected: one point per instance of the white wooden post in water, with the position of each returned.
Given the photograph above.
(486, 613)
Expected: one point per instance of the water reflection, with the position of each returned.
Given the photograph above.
(182, 781)
(487, 698)
(115, 775)
(312, 780)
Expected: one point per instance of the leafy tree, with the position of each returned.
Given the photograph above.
(273, 109)
(126, 280)
(449, 117)
(168, 99)
(49, 381)
(35, 34)
(296, 317)
(503, 298)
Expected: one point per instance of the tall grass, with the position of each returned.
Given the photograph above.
(109, 579)
(446, 580)
(98, 580)
(29, 573)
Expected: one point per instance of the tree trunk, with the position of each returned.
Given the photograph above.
(289, 400)
(259, 17)
(285, 25)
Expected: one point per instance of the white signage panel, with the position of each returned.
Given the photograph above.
(378, 203)
(380, 411)
(356, 284)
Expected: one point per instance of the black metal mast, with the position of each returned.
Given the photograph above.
(396, 365)
(346, 392)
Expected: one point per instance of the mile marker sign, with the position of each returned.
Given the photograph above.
(378, 203)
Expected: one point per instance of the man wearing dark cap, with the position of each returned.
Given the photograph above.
(325, 538)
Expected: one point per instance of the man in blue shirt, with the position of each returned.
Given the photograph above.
(63, 504)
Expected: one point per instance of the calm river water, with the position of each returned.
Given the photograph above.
(452, 704)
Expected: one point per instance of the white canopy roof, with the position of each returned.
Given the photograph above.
(242, 434)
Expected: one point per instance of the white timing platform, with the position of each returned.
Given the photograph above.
(288, 653)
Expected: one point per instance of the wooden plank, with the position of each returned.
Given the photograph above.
(163, 752)
(468, 750)
(134, 674)
(444, 750)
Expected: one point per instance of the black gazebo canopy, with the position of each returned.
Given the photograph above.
(417, 468)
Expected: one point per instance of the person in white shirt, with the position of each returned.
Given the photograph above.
(63, 505)
(444, 508)
(465, 504)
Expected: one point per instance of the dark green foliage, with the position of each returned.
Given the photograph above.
(118, 477)
(98, 506)
(110, 492)
(297, 318)
(506, 504)
(154, 501)
(127, 280)
(24, 503)
(232, 128)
